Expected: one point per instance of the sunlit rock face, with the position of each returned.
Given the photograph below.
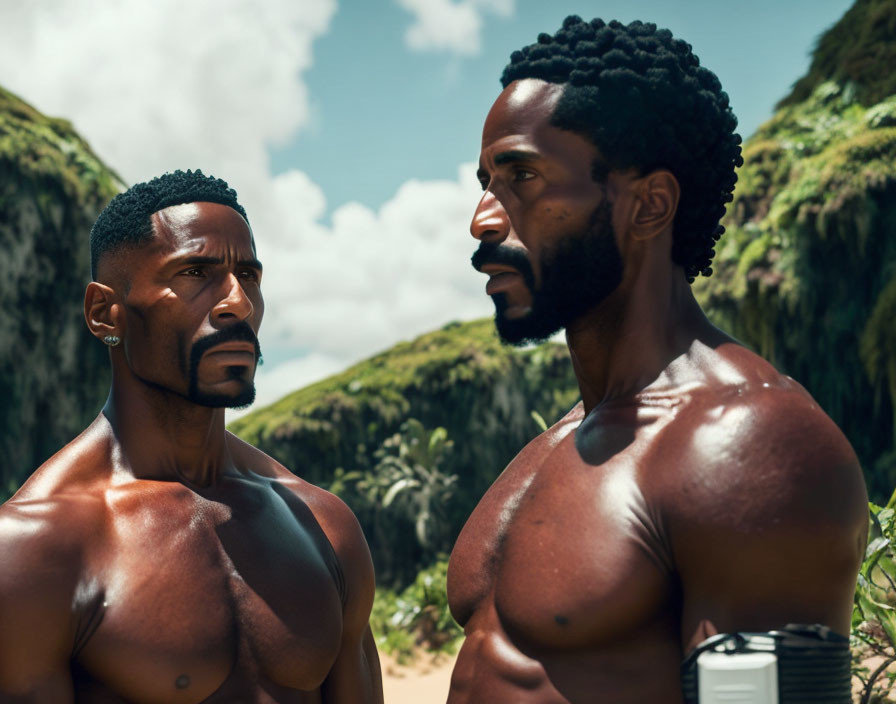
(53, 374)
(806, 272)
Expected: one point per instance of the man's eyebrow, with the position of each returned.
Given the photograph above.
(514, 155)
(197, 260)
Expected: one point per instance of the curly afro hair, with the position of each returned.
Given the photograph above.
(126, 221)
(644, 101)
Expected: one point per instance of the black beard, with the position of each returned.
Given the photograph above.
(577, 275)
(240, 332)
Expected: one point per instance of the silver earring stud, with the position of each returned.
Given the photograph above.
(111, 340)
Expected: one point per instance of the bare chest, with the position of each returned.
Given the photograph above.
(564, 548)
(191, 594)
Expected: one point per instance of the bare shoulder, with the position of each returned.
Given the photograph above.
(42, 535)
(769, 445)
(61, 506)
(763, 505)
(44, 547)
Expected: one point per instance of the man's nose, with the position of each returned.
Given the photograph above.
(235, 304)
(490, 221)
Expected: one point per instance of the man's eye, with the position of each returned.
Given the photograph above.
(249, 275)
(523, 175)
(193, 271)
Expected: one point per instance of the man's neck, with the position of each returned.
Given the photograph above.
(628, 342)
(161, 435)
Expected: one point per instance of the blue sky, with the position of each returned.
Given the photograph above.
(348, 127)
(382, 113)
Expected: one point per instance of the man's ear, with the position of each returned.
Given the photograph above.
(656, 202)
(102, 311)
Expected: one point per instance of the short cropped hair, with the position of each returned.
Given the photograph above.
(643, 99)
(127, 220)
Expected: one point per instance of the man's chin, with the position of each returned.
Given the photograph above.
(216, 399)
(526, 329)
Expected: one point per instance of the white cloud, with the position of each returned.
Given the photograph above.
(165, 84)
(450, 25)
(373, 277)
(172, 84)
(335, 295)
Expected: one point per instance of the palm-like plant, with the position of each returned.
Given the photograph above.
(408, 477)
(874, 612)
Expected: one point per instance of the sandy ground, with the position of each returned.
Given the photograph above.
(425, 681)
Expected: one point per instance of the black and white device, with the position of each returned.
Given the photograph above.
(795, 665)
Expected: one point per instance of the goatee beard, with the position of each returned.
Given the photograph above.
(239, 332)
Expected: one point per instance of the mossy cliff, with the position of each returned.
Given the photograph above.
(53, 374)
(860, 49)
(806, 273)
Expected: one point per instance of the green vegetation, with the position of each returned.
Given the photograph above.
(858, 50)
(417, 617)
(874, 614)
(407, 476)
(404, 499)
(53, 374)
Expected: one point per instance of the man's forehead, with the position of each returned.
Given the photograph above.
(197, 226)
(523, 107)
(519, 129)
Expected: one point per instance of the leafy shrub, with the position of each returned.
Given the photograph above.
(874, 612)
(417, 617)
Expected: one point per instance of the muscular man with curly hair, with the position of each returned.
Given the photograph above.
(157, 557)
(694, 490)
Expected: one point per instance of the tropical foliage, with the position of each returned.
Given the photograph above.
(404, 499)
(408, 469)
(874, 614)
(416, 617)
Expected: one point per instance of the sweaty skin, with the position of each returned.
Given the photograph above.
(158, 559)
(694, 490)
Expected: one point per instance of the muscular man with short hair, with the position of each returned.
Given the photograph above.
(694, 490)
(158, 559)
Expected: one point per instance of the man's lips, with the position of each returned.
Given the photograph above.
(500, 278)
(233, 348)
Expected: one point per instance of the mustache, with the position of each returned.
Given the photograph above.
(239, 332)
(498, 253)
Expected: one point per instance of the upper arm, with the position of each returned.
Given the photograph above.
(770, 520)
(36, 623)
(355, 677)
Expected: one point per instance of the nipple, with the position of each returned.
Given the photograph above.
(182, 682)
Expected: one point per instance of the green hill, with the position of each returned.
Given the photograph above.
(53, 374)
